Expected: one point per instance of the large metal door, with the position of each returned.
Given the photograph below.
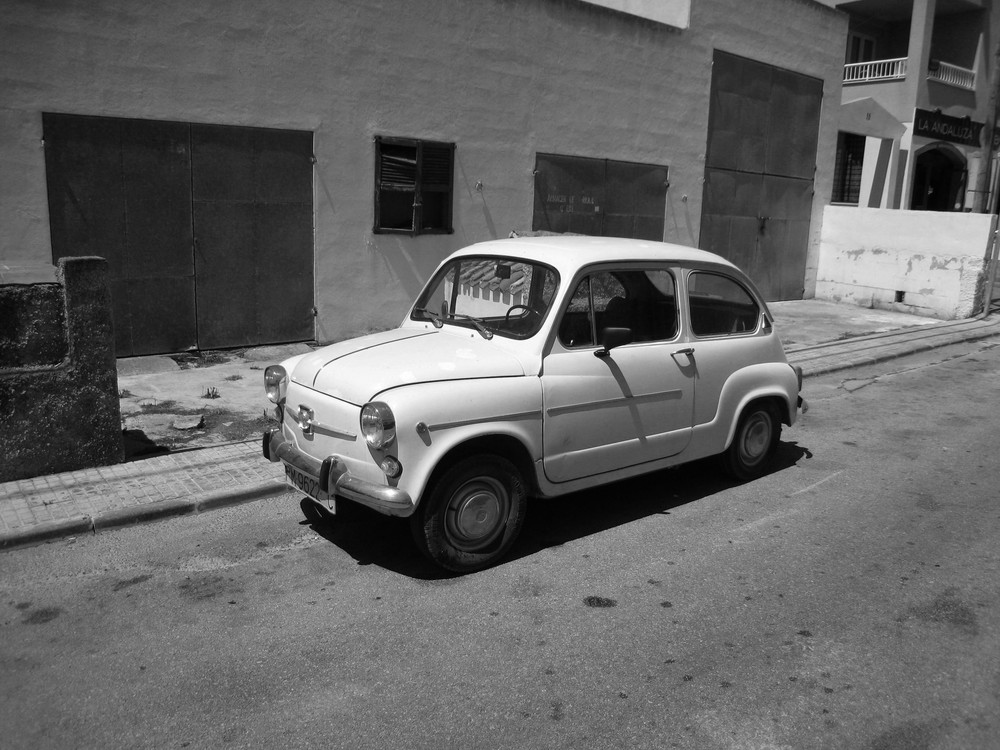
(760, 165)
(207, 230)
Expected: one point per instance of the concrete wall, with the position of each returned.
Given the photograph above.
(936, 260)
(503, 79)
(59, 402)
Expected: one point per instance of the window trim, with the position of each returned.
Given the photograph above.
(420, 185)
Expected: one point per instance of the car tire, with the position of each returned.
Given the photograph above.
(472, 513)
(754, 443)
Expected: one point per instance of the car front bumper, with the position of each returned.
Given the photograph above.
(333, 478)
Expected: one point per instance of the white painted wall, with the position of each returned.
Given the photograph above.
(935, 259)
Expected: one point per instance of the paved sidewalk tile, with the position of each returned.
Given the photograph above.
(92, 492)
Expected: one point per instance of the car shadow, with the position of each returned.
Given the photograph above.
(373, 539)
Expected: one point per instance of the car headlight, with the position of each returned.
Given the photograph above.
(275, 383)
(378, 424)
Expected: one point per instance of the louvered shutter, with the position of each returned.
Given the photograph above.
(413, 185)
(436, 171)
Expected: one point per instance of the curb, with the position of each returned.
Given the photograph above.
(826, 359)
(132, 515)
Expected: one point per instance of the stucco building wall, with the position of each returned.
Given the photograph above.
(502, 79)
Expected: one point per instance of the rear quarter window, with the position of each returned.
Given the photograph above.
(720, 305)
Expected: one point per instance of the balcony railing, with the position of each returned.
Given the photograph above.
(876, 70)
(952, 75)
(892, 70)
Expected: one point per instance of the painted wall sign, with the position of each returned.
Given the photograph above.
(933, 124)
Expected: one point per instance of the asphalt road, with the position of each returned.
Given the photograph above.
(850, 599)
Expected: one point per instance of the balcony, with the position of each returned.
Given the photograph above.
(952, 75)
(895, 69)
(876, 70)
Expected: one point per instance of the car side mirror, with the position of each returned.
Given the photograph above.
(612, 337)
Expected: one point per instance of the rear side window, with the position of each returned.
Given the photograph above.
(720, 305)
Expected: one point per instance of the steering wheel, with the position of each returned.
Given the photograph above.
(517, 307)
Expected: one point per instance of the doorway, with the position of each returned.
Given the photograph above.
(939, 178)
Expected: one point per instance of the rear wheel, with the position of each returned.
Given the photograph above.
(754, 443)
(472, 514)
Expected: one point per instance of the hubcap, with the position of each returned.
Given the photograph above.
(477, 514)
(756, 438)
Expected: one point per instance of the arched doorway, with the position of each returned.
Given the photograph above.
(939, 177)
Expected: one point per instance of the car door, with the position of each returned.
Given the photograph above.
(729, 334)
(607, 409)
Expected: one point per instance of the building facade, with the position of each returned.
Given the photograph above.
(909, 224)
(258, 173)
(917, 114)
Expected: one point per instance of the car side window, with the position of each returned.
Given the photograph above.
(720, 306)
(643, 301)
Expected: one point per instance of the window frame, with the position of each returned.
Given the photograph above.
(860, 48)
(424, 178)
(736, 282)
(848, 168)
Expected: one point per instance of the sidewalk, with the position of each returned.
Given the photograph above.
(213, 472)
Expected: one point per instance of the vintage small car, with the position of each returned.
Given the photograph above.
(535, 367)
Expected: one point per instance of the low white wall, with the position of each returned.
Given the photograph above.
(870, 257)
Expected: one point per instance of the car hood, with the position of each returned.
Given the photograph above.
(359, 369)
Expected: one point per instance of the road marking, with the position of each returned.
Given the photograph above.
(817, 484)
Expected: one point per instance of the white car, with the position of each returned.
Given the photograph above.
(535, 367)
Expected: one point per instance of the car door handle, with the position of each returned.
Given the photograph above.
(688, 351)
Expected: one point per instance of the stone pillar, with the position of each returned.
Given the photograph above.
(61, 413)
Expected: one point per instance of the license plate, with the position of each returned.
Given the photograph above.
(307, 484)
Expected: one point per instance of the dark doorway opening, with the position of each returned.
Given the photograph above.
(939, 179)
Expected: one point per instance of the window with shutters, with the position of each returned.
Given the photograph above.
(413, 186)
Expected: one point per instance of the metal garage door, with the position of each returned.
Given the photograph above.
(763, 132)
(207, 229)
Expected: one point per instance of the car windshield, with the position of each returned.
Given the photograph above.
(494, 295)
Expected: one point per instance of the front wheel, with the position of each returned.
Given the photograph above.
(472, 514)
(754, 443)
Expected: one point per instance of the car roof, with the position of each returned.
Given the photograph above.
(569, 252)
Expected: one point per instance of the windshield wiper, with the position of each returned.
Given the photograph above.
(438, 320)
(478, 323)
(435, 318)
